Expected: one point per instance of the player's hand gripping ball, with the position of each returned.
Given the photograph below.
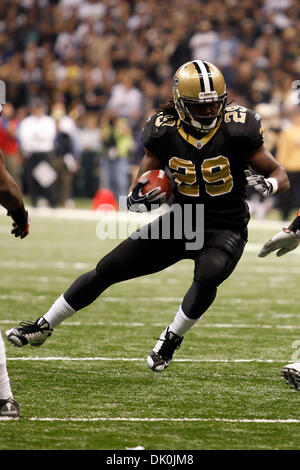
(157, 179)
(154, 187)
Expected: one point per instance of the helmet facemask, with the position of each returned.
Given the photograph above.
(203, 114)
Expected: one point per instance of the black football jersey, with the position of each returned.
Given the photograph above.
(209, 170)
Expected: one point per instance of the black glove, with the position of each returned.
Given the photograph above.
(265, 186)
(20, 222)
(139, 202)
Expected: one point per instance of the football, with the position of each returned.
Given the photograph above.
(157, 178)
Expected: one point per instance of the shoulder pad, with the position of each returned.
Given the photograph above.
(240, 120)
(156, 129)
(244, 123)
(158, 124)
(162, 120)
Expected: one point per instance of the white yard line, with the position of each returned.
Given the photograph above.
(182, 420)
(40, 264)
(141, 324)
(250, 247)
(89, 214)
(147, 300)
(138, 359)
(22, 297)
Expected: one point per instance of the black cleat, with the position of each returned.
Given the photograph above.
(33, 333)
(291, 374)
(161, 356)
(9, 409)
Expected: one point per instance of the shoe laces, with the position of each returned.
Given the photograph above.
(29, 326)
(169, 345)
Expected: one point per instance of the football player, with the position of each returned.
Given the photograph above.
(206, 146)
(11, 199)
(284, 241)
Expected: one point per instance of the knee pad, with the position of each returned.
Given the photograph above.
(210, 269)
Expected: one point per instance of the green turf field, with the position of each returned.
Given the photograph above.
(88, 387)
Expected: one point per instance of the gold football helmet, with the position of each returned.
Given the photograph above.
(199, 93)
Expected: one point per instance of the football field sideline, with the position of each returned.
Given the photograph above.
(120, 216)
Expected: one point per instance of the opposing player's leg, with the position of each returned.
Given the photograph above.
(213, 264)
(138, 255)
(9, 408)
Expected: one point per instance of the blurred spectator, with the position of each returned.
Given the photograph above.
(118, 145)
(226, 50)
(37, 134)
(67, 125)
(65, 158)
(90, 142)
(204, 43)
(9, 143)
(288, 155)
(126, 99)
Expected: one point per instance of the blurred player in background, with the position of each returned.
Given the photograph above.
(207, 147)
(283, 242)
(11, 199)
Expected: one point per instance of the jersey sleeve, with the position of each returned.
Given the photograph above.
(245, 129)
(254, 137)
(154, 136)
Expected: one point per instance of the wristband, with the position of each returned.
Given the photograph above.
(274, 183)
(295, 225)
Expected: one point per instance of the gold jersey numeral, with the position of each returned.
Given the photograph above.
(165, 120)
(236, 114)
(215, 172)
(185, 179)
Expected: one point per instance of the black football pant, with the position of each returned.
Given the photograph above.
(132, 258)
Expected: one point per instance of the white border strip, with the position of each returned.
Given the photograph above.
(182, 420)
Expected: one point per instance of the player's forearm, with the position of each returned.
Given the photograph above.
(282, 181)
(263, 162)
(10, 195)
(149, 162)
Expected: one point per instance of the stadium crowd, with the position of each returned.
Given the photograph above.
(94, 64)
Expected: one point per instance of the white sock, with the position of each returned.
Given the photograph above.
(59, 311)
(5, 390)
(181, 323)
